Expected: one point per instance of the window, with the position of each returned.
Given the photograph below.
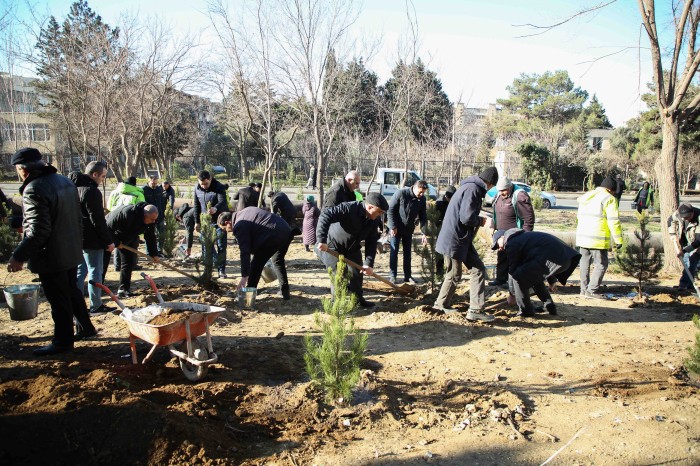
(391, 178)
(597, 144)
(35, 132)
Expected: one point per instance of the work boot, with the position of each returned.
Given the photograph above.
(479, 315)
(364, 303)
(284, 292)
(52, 349)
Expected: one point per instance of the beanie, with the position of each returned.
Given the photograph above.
(23, 156)
(131, 180)
(450, 191)
(377, 200)
(685, 209)
(489, 175)
(496, 236)
(609, 183)
(503, 183)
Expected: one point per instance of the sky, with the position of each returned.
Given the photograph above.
(474, 45)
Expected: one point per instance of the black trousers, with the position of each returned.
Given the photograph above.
(522, 293)
(127, 260)
(501, 266)
(67, 301)
(355, 255)
(275, 249)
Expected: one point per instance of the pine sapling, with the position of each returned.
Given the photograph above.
(428, 255)
(169, 232)
(693, 362)
(207, 233)
(637, 258)
(333, 363)
(9, 238)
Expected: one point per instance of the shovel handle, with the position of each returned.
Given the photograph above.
(359, 267)
(153, 286)
(109, 292)
(175, 269)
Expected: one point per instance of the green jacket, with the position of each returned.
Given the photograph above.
(125, 194)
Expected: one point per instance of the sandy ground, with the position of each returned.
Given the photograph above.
(602, 380)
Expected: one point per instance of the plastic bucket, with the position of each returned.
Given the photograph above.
(268, 274)
(246, 298)
(490, 272)
(23, 301)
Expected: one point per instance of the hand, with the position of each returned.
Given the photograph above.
(367, 270)
(14, 265)
(680, 254)
(483, 221)
(553, 287)
(155, 259)
(110, 248)
(242, 283)
(322, 247)
(188, 251)
(212, 210)
(196, 228)
(510, 300)
(393, 231)
(424, 240)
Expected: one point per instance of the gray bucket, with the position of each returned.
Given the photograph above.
(23, 301)
(268, 273)
(246, 297)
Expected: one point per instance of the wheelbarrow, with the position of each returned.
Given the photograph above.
(180, 337)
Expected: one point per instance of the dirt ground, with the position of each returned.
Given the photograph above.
(602, 381)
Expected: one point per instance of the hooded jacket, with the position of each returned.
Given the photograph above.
(52, 238)
(125, 194)
(96, 235)
(215, 195)
(126, 224)
(461, 219)
(345, 226)
(405, 207)
(535, 256)
(599, 224)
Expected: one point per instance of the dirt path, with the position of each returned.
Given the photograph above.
(435, 389)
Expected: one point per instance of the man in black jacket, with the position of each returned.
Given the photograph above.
(168, 195)
(96, 236)
(264, 235)
(52, 244)
(534, 257)
(619, 188)
(126, 223)
(185, 214)
(153, 194)
(441, 206)
(282, 206)
(342, 191)
(455, 243)
(343, 228)
(406, 205)
(210, 196)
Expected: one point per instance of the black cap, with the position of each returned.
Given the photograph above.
(131, 180)
(28, 154)
(377, 200)
(450, 191)
(609, 183)
(496, 235)
(685, 210)
(489, 175)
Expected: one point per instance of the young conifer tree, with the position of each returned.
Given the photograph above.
(427, 253)
(207, 233)
(693, 362)
(637, 258)
(333, 362)
(169, 232)
(9, 238)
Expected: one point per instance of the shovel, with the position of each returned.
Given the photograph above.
(692, 280)
(404, 288)
(175, 269)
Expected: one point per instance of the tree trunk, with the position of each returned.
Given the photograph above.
(668, 191)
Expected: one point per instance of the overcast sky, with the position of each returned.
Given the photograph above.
(473, 45)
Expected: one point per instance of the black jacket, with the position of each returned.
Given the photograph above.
(253, 229)
(168, 198)
(282, 206)
(215, 195)
(404, 209)
(338, 194)
(345, 226)
(619, 187)
(96, 235)
(155, 197)
(534, 255)
(126, 224)
(185, 214)
(53, 231)
(461, 219)
(247, 197)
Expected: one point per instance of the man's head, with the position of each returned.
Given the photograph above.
(25, 160)
(419, 188)
(225, 221)
(204, 179)
(686, 211)
(271, 194)
(153, 181)
(375, 205)
(504, 186)
(150, 214)
(645, 185)
(352, 180)
(449, 192)
(609, 183)
(131, 180)
(489, 176)
(166, 184)
(499, 240)
(257, 187)
(97, 171)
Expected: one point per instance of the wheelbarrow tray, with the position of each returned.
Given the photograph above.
(174, 332)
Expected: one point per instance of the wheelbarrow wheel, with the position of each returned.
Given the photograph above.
(193, 372)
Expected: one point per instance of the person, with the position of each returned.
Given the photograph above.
(282, 206)
(153, 194)
(97, 240)
(598, 229)
(342, 228)
(683, 229)
(455, 242)
(343, 190)
(126, 223)
(185, 215)
(263, 235)
(441, 206)
(312, 177)
(644, 198)
(311, 213)
(619, 188)
(247, 197)
(406, 206)
(534, 257)
(125, 193)
(511, 209)
(168, 195)
(52, 246)
(210, 196)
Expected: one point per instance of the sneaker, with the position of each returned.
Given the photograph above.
(84, 334)
(223, 275)
(478, 315)
(551, 308)
(526, 313)
(410, 281)
(592, 295)
(446, 309)
(102, 309)
(392, 279)
(52, 349)
(284, 294)
(364, 303)
(124, 294)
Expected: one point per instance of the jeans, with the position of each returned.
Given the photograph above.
(599, 257)
(405, 240)
(218, 252)
(66, 300)
(692, 261)
(92, 269)
(453, 275)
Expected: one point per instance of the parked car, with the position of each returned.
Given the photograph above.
(548, 199)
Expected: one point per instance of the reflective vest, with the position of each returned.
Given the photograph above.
(125, 194)
(598, 220)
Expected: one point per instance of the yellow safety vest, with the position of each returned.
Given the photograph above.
(598, 219)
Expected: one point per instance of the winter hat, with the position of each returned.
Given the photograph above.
(489, 175)
(503, 183)
(450, 191)
(609, 183)
(310, 198)
(497, 234)
(377, 200)
(131, 180)
(685, 210)
(23, 156)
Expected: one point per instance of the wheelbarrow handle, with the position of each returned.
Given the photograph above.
(109, 292)
(153, 286)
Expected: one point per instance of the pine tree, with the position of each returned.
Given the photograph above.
(427, 253)
(207, 233)
(637, 258)
(169, 232)
(693, 362)
(333, 363)
(9, 239)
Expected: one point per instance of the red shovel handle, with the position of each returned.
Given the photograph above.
(153, 286)
(109, 292)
